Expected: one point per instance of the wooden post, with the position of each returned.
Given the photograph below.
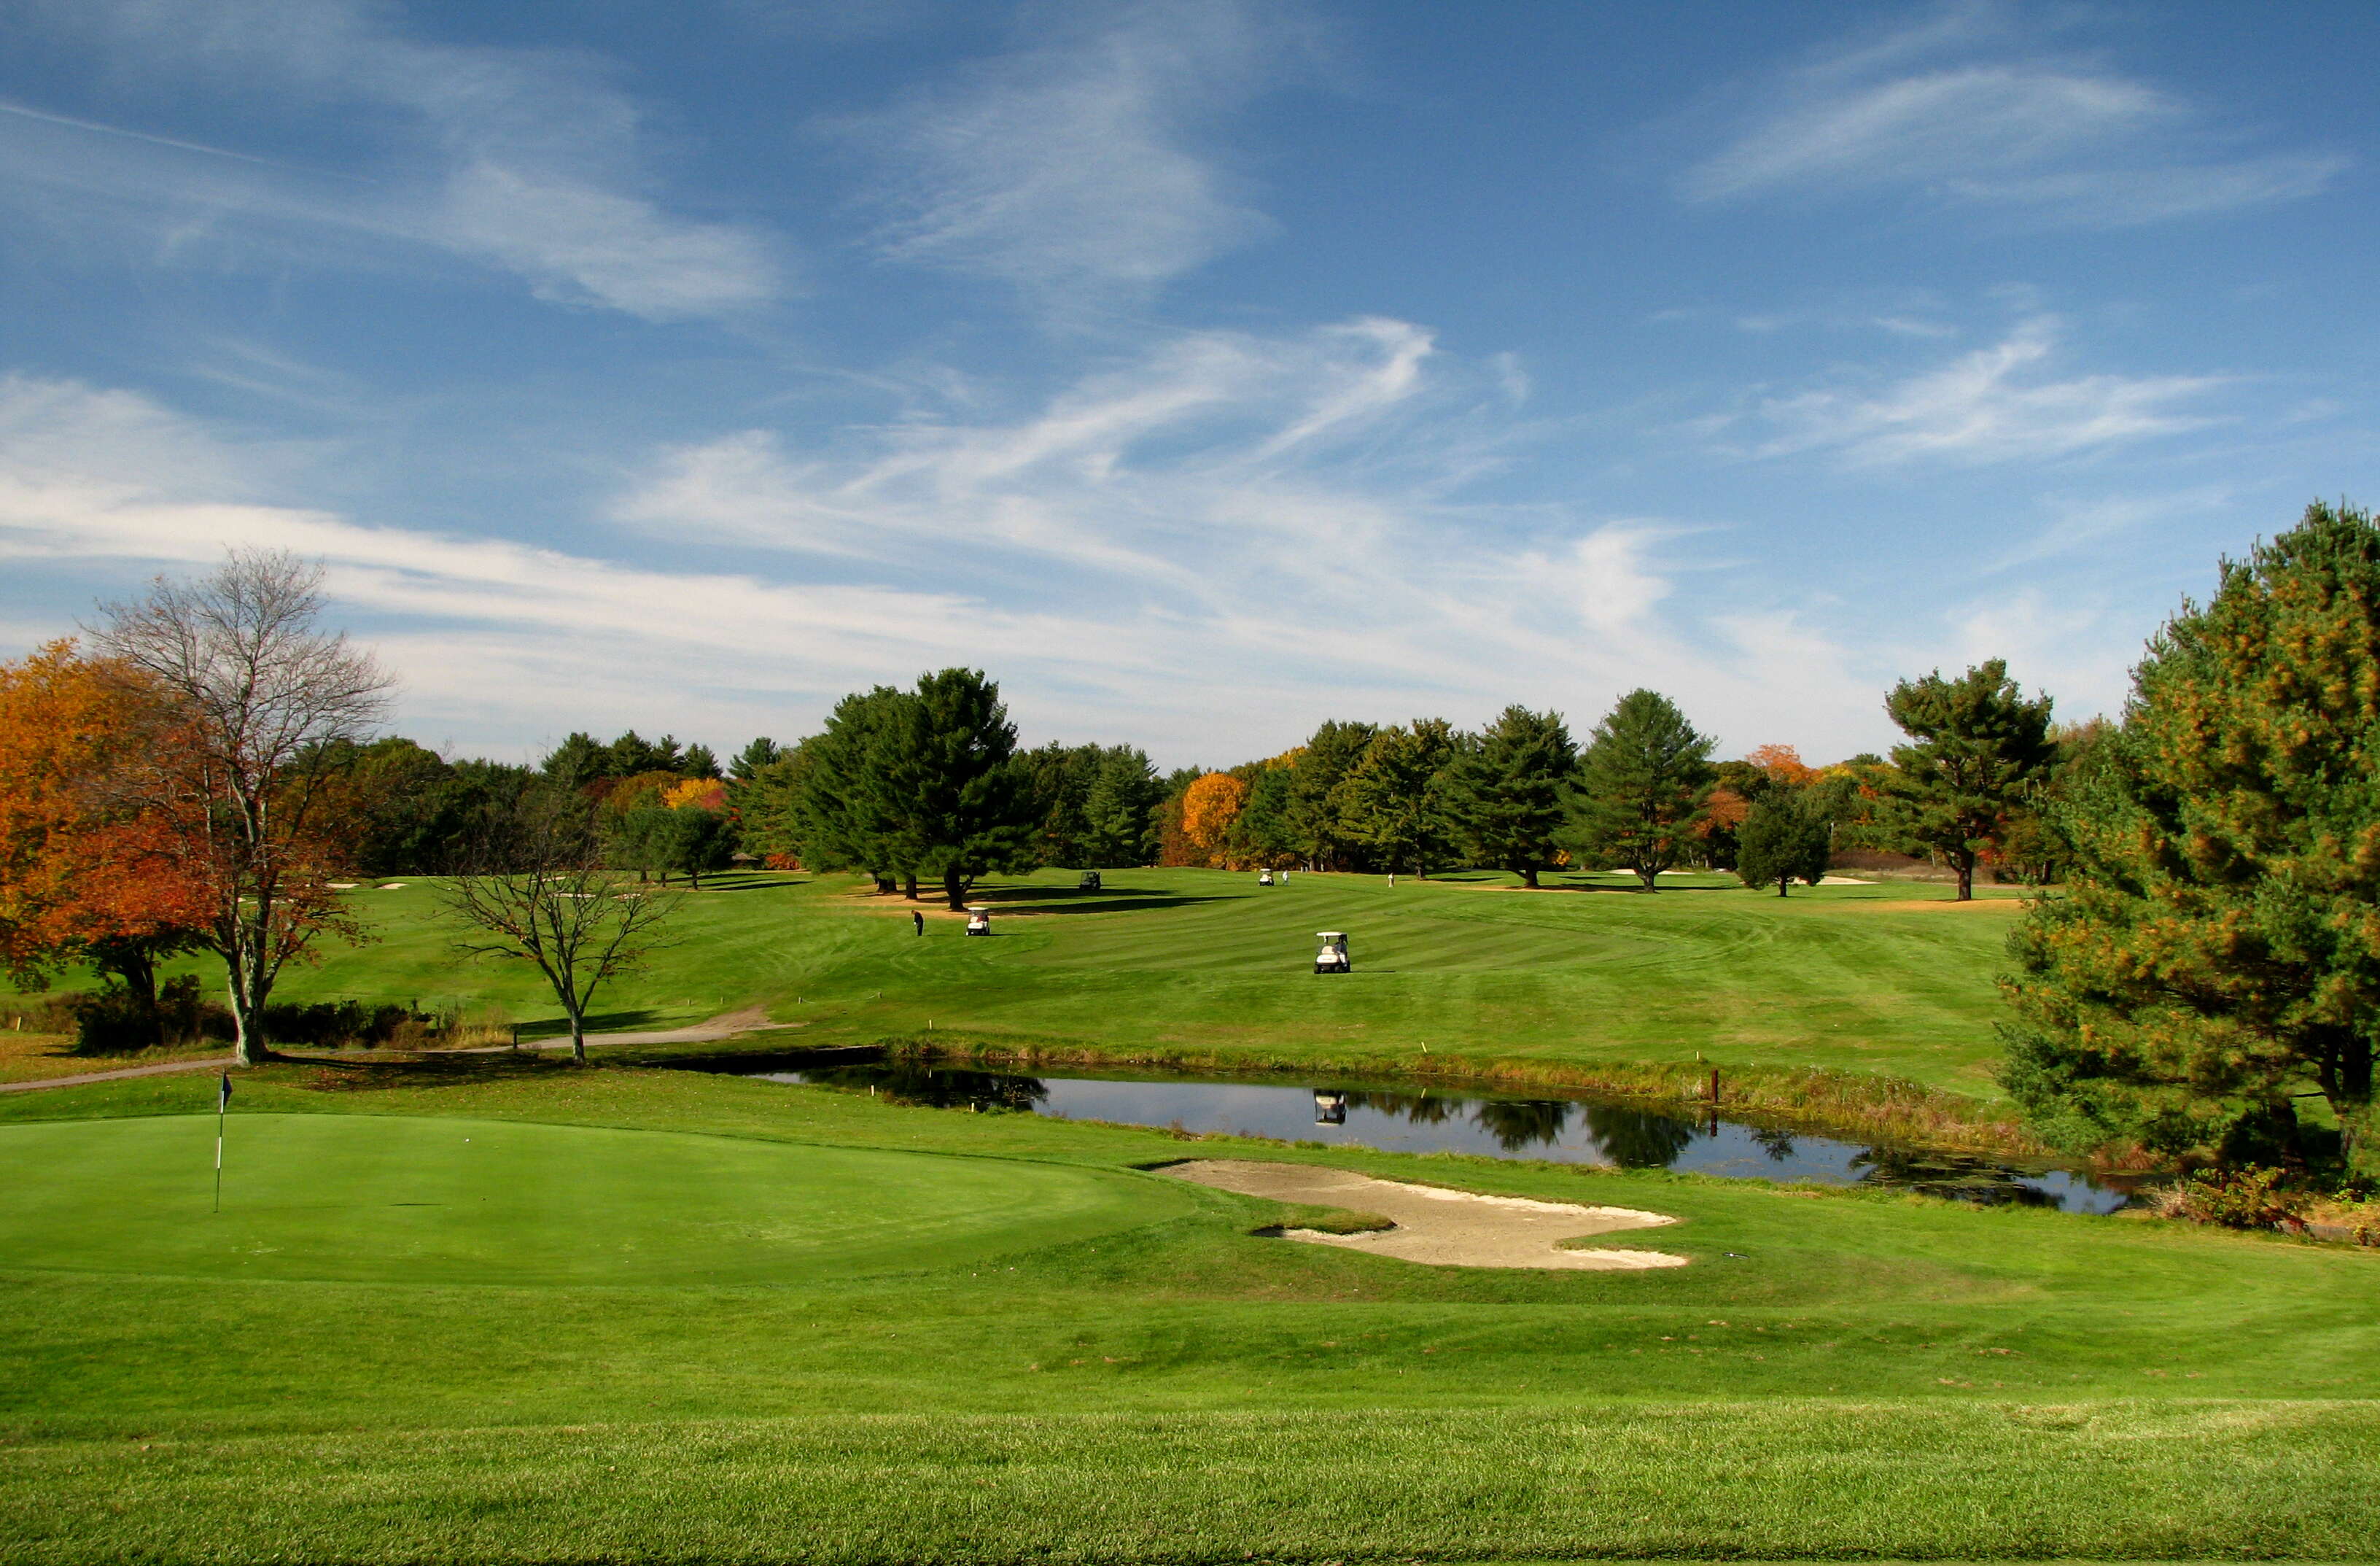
(1714, 1088)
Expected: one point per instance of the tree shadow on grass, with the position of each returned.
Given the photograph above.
(388, 1073)
(741, 881)
(1632, 890)
(545, 1028)
(1069, 900)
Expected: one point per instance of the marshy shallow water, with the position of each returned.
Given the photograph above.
(1568, 1128)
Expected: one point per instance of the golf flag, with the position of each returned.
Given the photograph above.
(222, 1101)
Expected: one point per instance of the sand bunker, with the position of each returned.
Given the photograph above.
(1438, 1226)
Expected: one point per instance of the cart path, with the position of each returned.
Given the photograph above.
(212, 1062)
(727, 1025)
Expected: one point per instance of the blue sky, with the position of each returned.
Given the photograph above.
(1201, 371)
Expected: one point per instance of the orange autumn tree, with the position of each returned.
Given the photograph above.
(1784, 764)
(1208, 808)
(74, 883)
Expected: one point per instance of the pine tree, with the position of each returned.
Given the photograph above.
(1785, 836)
(1977, 750)
(578, 762)
(2218, 948)
(1117, 822)
(850, 801)
(1504, 790)
(970, 804)
(1393, 800)
(1643, 780)
(750, 761)
(1322, 762)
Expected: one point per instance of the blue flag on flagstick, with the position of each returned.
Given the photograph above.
(222, 1094)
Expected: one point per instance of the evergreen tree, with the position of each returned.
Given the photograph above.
(2218, 948)
(1785, 836)
(1642, 783)
(1393, 800)
(1057, 780)
(1977, 750)
(1118, 810)
(636, 839)
(754, 758)
(1504, 790)
(769, 808)
(1322, 763)
(853, 808)
(1264, 834)
(577, 763)
(971, 805)
(632, 754)
(698, 762)
(690, 840)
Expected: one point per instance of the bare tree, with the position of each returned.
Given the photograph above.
(543, 896)
(232, 791)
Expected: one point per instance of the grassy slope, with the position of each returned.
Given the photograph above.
(1889, 979)
(1865, 1376)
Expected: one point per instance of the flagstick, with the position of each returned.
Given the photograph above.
(222, 1101)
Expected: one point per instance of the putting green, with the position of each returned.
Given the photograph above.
(404, 1200)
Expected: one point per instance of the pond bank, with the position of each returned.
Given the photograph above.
(1319, 1108)
(1881, 1108)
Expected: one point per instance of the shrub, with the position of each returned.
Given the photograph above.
(114, 1021)
(2237, 1199)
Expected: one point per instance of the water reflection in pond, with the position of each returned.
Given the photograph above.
(1575, 1129)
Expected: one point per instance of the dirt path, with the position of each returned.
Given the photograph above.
(212, 1063)
(727, 1025)
(1438, 1226)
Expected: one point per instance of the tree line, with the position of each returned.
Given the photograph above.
(1971, 787)
(198, 775)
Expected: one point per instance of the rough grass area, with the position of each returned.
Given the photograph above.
(1777, 1479)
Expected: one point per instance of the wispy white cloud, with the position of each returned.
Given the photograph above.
(1996, 404)
(1955, 111)
(1076, 163)
(2086, 525)
(1146, 558)
(526, 161)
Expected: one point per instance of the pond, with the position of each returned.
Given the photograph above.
(1570, 1128)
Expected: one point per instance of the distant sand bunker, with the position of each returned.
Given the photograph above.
(1438, 1226)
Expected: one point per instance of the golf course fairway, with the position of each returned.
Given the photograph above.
(363, 1198)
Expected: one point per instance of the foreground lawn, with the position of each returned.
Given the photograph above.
(1889, 979)
(651, 1315)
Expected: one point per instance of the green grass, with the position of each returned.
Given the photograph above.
(643, 1328)
(439, 1201)
(498, 1308)
(1203, 965)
